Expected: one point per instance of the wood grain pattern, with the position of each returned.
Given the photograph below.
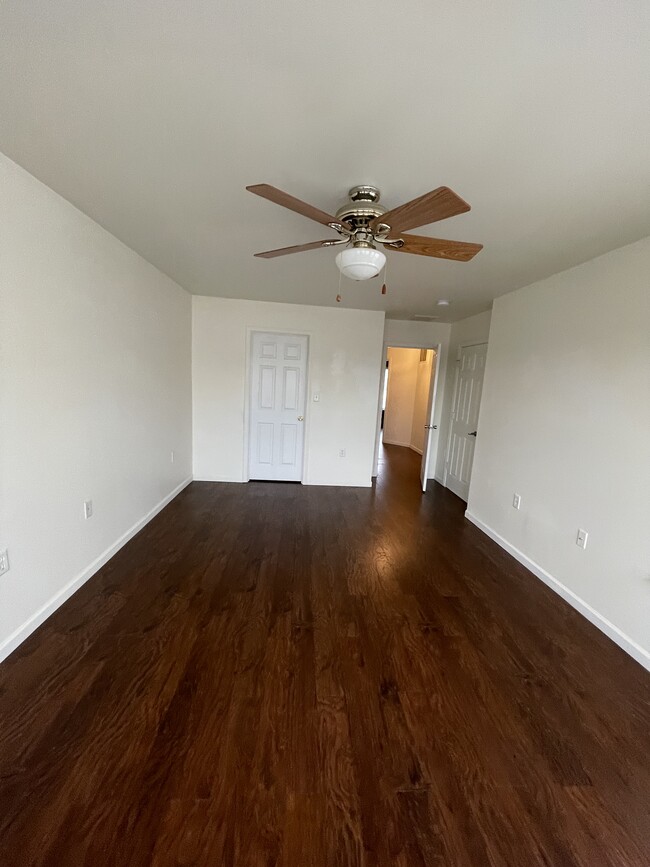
(459, 251)
(299, 248)
(285, 675)
(285, 200)
(439, 204)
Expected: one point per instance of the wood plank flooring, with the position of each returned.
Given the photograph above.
(284, 675)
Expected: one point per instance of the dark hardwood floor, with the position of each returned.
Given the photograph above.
(283, 675)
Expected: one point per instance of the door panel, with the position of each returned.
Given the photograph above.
(278, 380)
(264, 443)
(268, 350)
(430, 430)
(293, 352)
(464, 418)
(267, 388)
(288, 444)
(291, 388)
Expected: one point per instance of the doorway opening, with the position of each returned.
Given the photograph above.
(407, 435)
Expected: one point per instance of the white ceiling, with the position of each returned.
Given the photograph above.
(153, 115)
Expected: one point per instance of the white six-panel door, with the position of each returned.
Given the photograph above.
(278, 388)
(464, 418)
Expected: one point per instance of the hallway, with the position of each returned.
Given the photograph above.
(399, 468)
(272, 674)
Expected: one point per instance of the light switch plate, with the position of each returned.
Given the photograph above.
(4, 561)
(581, 538)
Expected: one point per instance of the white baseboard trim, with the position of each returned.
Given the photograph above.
(628, 644)
(19, 635)
(395, 443)
(328, 483)
(229, 480)
(415, 449)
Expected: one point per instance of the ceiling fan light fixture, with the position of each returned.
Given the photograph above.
(360, 263)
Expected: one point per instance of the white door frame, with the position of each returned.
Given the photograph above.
(248, 394)
(461, 346)
(396, 344)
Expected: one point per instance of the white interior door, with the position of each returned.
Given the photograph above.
(464, 418)
(278, 387)
(430, 429)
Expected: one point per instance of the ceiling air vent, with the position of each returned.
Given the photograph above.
(424, 317)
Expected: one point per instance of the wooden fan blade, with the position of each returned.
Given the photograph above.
(460, 251)
(437, 205)
(290, 202)
(285, 251)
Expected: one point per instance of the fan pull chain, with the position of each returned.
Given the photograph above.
(338, 297)
(383, 288)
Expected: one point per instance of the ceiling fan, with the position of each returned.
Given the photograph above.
(363, 223)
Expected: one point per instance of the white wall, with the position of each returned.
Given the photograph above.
(565, 422)
(345, 351)
(473, 329)
(95, 393)
(426, 335)
(400, 400)
(421, 401)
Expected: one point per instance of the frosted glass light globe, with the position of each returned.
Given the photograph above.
(360, 263)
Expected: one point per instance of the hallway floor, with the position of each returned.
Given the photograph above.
(285, 675)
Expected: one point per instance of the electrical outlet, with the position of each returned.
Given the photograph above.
(516, 501)
(88, 509)
(342, 453)
(4, 562)
(172, 457)
(581, 538)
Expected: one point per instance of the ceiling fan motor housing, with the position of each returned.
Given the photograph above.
(361, 208)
